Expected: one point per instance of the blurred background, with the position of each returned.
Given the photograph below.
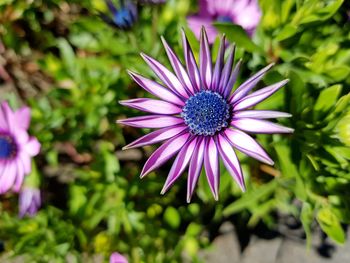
(67, 61)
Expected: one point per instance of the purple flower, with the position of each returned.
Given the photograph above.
(198, 117)
(29, 201)
(245, 13)
(16, 147)
(117, 258)
(123, 17)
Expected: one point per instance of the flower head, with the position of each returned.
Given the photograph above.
(117, 258)
(16, 147)
(198, 117)
(29, 201)
(123, 17)
(245, 13)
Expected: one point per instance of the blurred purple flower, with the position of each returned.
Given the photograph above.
(29, 201)
(199, 118)
(123, 17)
(117, 258)
(16, 147)
(245, 13)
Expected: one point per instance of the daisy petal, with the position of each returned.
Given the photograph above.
(152, 106)
(230, 160)
(205, 66)
(26, 163)
(249, 84)
(246, 144)
(156, 89)
(211, 165)
(3, 119)
(195, 168)
(258, 96)
(226, 72)
(164, 153)
(19, 177)
(261, 114)
(152, 121)
(227, 90)
(32, 147)
(180, 164)
(23, 118)
(178, 68)
(8, 178)
(218, 65)
(259, 126)
(9, 116)
(156, 136)
(191, 64)
(167, 77)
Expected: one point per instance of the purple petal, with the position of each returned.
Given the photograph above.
(156, 89)
(167, 77)
(152, 106)
(195, 168)
(26, 163)
(246, 144)
(164, 153)
(8, 178)
(259, 126)
(9, 116)
(117, 258)
(258, 96)
(225, 75)
(211, 165)
(232, 80)
(195, 23)
(230, 160)
(261, 114)
(249, 84)
(152, 121)
(32, 146)
(156, 136)
(181, 73)
(19, 178)
(180, 163)
(23, 118)
(3, 120)
(205, 66)
(218, 65)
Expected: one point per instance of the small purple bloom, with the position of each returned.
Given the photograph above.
(16, 147)
(123, 17)
(29, 201)
(245, 13)
(117, 258)
(199, 118)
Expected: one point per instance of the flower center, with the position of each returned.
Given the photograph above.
(206, 113)
(224, 19)
(8, 147)
(124, 17)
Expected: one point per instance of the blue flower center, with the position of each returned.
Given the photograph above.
(8, 147)
(124, 17)
(206, 113)
(224, 19)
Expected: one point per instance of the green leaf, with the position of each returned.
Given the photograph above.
(250, 198)
(172, 217)
(330, 224)
(287, 32)
(326, 100)
(237, 34)
(322, 14)
(306, 218)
